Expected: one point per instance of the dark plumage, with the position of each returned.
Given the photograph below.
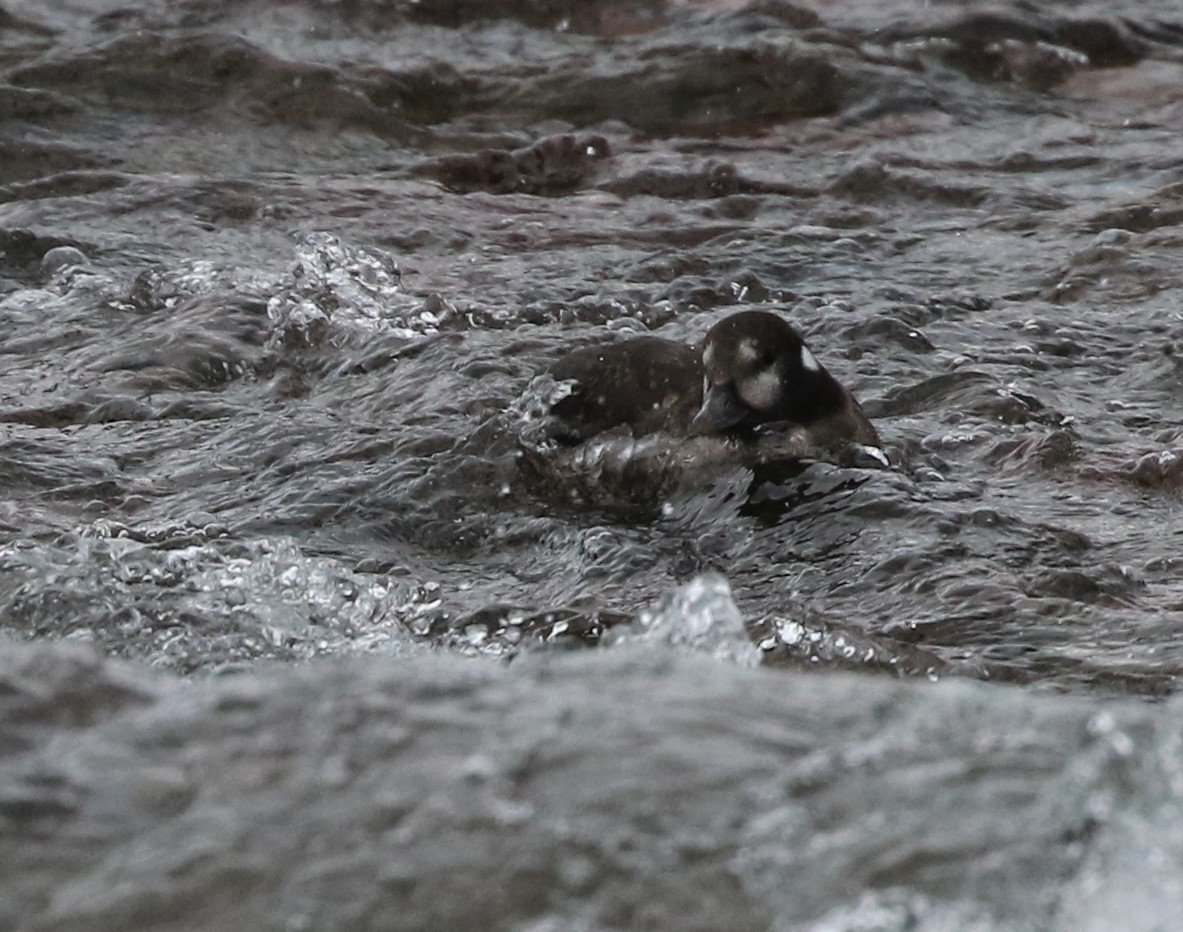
(648, 383)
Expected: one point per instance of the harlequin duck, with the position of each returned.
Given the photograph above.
(627, 425)
(752, 376)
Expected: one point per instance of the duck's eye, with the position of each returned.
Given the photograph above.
(767, 358)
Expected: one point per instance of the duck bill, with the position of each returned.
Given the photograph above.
(720, 411)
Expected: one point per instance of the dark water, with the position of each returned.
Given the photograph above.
(276, 279)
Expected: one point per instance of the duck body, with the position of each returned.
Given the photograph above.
(647, 384)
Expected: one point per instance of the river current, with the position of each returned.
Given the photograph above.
(291, 636)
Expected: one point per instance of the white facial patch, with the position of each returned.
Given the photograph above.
(809, 361)
(762, 392)
(747, 351)
(708, 355)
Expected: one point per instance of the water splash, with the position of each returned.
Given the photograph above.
(700, 616)
(190, 596)
(334, 287)
(531, 411)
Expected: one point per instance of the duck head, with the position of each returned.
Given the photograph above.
(757, 370)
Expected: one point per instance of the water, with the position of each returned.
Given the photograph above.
(276, 283)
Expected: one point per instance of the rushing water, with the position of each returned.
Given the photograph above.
(276, 282)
